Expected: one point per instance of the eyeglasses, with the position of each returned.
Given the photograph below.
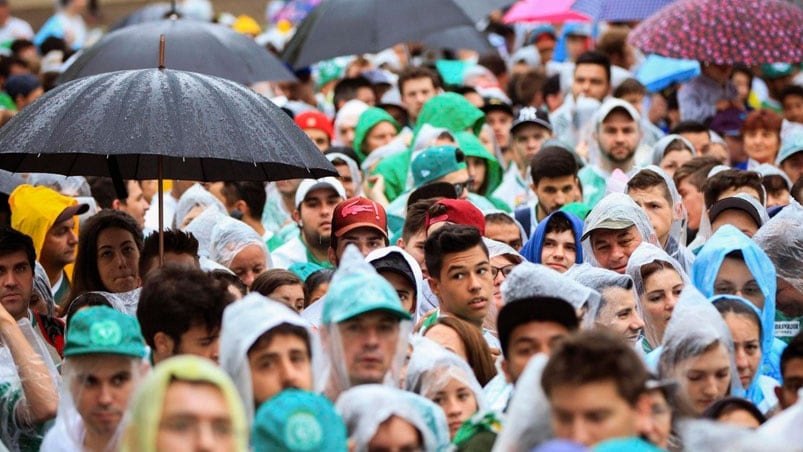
(460, 187)
(751, 289)
(504, 270)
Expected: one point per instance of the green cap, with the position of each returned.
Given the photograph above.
(296, 420)
(435, 162)
(101, 329)
(776, 70)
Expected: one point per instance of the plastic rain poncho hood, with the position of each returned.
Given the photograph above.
(146, 408)
(694, 326)
(411, 262)
(532, 250)
(618, 207)
(659, 148)
(364, 408)
(230, 237)
(354, 170)
(644, 254)
(356, 288)
(244, 321)
(34, 211)
(201, 228)
(348, 116)
(196, 196)
(473, 147)
(529, 280)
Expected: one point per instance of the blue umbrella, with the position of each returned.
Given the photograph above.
(619, 10)
(658, 72)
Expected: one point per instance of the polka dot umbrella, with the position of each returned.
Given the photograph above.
(750, 32)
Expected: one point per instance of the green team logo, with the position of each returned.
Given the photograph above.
(105, 332)
(303, 432)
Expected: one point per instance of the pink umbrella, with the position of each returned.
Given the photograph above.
(544, 11)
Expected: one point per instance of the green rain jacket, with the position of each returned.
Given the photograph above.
(368, 120)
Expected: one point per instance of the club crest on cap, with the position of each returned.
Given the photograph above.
(303, 431)
(105, 332)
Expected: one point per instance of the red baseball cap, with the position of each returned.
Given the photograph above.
(459, 211)
(356, 213)
(315, 120)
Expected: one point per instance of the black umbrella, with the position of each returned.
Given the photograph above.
(464, 37)
(191, 46)
(149, 13)
(345, 27)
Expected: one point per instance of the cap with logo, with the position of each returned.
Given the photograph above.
(531, 115)
(356, 213)
(308, 185)
(435, 162)
(459, 211)
(296, 421)
(315, 120)
(496, 104)
(101, 329)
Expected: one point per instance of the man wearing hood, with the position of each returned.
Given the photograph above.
(50, 219)
(401, 270)
(556, 242)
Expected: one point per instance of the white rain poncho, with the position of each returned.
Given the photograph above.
(17, 430)
(244, 321)
(529, 280)
(659, 148)
(364, 408)
(73, 186)
(196, 196)
(411, 262)
(348, 116)
(782, 240)
(765, 169)
(354, 170)
(620, 208)
(705, 230)
(694, 327)
(69, 431)
(707, 435)
(599, 279)
(125, 302)
(201, 228)
(356, 289)
(528, 418)
(230, 237)
(676, 239)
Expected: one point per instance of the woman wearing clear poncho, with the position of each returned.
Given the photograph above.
(240, 249)
(447, 380)
(658, 280)
(697, 352)
(730, 263)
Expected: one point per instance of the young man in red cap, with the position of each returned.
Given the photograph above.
(318, 128)
(361, 222)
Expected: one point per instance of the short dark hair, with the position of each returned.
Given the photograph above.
(86, 277)
(315, 280)
(723, 407)
(175, 299)
(793, 350)
(552, 162)
(732, 178)
(451, 238)
(790, 90)
(175, 241)
(646, 179)
(416, 219)
(416, 72)
(346, 89)
(86, 300)
(597, 58)
(493, 62)
(499, 218)
(774, 184)
(287, 329)
(552, 85)
(274, 278)
(695, 170)
(558, 224)
(528, 85)
(689, 127)
(227, 278)
(252, 192)
(596, 356)
(12, 241)
(629, 86)
(736, 307)
(613, 41)
(103, 191)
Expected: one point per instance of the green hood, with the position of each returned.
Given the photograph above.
(472, 147)
(368, 120)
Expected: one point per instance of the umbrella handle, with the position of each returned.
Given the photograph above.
(162, 40)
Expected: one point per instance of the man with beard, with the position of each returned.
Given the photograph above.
(315, 203)
(618, 135)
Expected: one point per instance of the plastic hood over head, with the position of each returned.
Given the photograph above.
(354, 170)
(201, 228)
(659, 148)
(782, 241)
(617, 207)
(364, 408)
(534, 280)
(411, 262)
(196, 196)
(244, 321)
(230, 237)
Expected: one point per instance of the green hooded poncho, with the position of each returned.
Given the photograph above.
(368, 120)
(448, 110)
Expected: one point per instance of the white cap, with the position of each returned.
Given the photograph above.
(612, 104)
(308, 185)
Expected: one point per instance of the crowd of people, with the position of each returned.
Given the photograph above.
(533, 253)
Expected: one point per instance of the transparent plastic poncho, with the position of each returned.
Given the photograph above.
(354, 170)
(201, 228)
(706, 230)
(244, 321)
(230, 237)
(535, 280)
(782, 241)
(659, 148)
(694, 327)
(617, 207)
(70, 430)
(380, 253)
(528, 418)
(599, 279)
(644, 254)
(364, 408)
(66, 185)
(196, 196)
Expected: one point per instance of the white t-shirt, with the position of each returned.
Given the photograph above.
(15, 28)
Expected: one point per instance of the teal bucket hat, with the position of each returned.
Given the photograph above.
(299, 421)
(435, 162)
(101, 329)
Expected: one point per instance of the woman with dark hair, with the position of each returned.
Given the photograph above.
(465, 341)
(109, 247)
(282, 286)
(316, 285)
(735, 410)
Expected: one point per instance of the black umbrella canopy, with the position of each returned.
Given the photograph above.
(345, 27)
(464, 37)
(190, 46)
(119, 124)
(149, 13)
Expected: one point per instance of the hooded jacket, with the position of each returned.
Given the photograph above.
(34, 211)
(473, 147)
(532, 249)
(368, 120)
(448, 110)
